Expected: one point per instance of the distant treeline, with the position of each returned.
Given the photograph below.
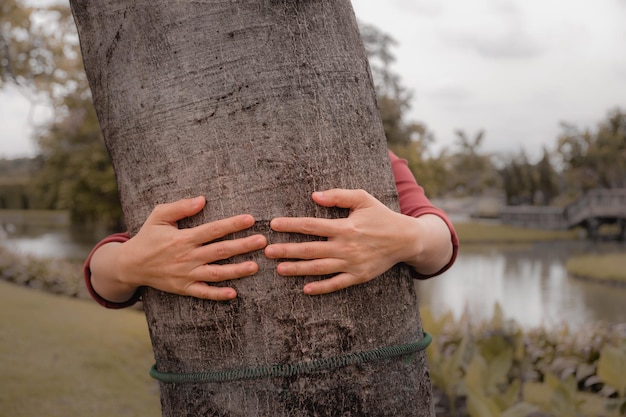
(18, 189)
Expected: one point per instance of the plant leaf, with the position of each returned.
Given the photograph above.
(612, 368)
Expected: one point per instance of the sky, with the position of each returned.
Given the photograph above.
(513, 68)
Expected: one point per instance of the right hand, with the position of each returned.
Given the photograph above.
(180, 261)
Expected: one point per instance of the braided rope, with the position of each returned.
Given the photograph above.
(301, 368)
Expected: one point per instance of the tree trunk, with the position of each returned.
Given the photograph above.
(254, 104)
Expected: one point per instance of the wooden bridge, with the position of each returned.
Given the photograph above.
(595, 208)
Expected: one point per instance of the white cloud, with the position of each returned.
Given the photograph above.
(15, 128)
(513, 67)
(493, 29)
(418, 7)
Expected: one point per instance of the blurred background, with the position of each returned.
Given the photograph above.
(511, 115)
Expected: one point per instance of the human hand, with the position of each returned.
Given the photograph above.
(180, 261)
(367, 243)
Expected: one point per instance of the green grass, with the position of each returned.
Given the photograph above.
(472, 233)
(68, 357)
(605, 267)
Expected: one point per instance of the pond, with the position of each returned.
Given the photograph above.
(529, 283)
(49, 241)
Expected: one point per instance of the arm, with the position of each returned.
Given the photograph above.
(370, 240)
(173, 260)
(414, 203)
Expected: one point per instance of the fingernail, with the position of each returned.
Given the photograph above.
(253, 268)
(275, 224)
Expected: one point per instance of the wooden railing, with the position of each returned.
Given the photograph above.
(595, 208)
(604, 205)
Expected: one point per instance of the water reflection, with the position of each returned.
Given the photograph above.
(530, 284)
(49, 242)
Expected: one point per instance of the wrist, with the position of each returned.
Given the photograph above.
(431, 244)
(107, 274)
(414, 233)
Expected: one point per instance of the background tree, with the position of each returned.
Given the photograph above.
(16, 191)
(593, 159)
(547, 182)
(519, 178)
(36, 50)
(512, 183)
(76, 173)
(39, 54)
(254, 105)
(471, 172)
(410, 140)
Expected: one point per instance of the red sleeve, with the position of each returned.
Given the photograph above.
(413, 202)
(118, 237)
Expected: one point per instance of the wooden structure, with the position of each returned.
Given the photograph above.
(595, 208)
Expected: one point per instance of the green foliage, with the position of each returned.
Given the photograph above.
(17, 190)
(77, 174)
(429, 170)
(528, 183)
(547, 182)
(595, 159)
(471, 172)
(612, 367)
(38, 49)
(393, 98)
(53, 276)
(500, 370)
(409, 140)
(40, 54)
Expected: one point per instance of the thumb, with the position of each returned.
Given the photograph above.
(172, 212)
(338, 197)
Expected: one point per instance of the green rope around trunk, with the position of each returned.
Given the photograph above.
(283, 370)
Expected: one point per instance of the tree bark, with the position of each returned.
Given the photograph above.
(254, 104)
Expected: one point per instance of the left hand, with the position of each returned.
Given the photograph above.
(367, 243)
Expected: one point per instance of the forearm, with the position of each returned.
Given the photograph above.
(105, 277)
(431, 247)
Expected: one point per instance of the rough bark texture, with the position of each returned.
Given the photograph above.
(254, 104)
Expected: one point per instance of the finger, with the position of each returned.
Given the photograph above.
(338, 197)
(315, 267)
(303, 250)
(224, 272)
(306, 226)
(209, 292)
(228, 248)
(325, 286)
(172, 212)
(214, 230)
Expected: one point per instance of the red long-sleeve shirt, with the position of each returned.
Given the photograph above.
(413, 202)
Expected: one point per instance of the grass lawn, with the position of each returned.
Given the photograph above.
(604, 267)
(72, 358)
(486, 233)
